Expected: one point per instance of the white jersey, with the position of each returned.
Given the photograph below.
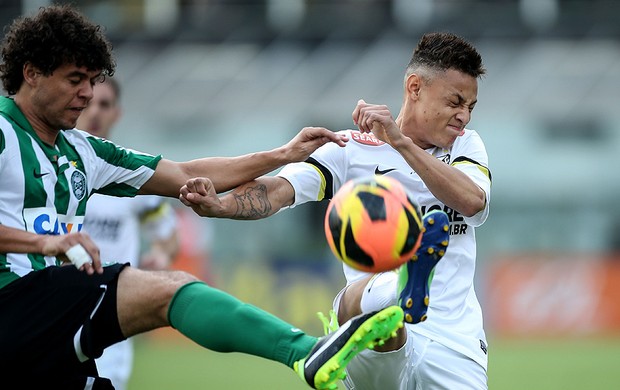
(44, 188)
(116, 224)
(454, 315)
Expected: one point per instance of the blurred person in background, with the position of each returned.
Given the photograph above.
(56, 318)
(444, 167)
(119, 225)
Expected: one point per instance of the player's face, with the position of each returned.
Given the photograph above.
(102, 111)
(442, 108)
(58, 99)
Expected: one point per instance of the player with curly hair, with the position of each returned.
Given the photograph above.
(54, 319)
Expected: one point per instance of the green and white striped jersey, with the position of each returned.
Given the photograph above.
(44, 188)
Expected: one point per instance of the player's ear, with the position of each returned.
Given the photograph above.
(31, 73)
(413, 83)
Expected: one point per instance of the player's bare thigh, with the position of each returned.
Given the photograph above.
(143, 298)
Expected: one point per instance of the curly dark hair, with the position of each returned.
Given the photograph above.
(445, 51)
(55, 36)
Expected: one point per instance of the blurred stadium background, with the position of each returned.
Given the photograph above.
(225, 77)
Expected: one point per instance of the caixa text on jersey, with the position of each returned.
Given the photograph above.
(44, 220)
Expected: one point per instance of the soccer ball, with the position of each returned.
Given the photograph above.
(372, 225)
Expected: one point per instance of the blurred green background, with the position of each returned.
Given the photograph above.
(514, 365)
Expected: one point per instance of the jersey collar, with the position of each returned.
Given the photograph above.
(9, 108)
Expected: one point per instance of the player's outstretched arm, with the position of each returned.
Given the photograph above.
(256, 199)
(229, 172)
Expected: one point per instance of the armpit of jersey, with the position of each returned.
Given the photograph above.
(464, 160)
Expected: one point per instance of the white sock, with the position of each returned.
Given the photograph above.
(380, 292)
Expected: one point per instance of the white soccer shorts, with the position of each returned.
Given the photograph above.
(421, 364)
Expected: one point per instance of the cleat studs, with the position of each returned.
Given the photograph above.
(446, 228)
(444, 243)
(423, 318)
(423, 229)
(441, 253)
(431, 250)
(414, 258)
(408, 317)
(431, 221)
(400, 326)
(358, 338)
(409, 303)
(426, 300)
(393, 334)
(381, 342)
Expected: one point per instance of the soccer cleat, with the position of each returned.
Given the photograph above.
(415, 276)
(326, 362)
(329, 324)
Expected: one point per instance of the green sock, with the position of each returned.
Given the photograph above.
(222, 323)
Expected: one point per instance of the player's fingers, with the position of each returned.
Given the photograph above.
(190, 184)
(93, 252)
(206, 186)
(199, 187)
(357, 110)
(183, 190)
(184, 200)
(79, 257)
(362, 122)
(326, 135)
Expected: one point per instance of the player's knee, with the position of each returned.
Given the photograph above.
(175, 280)
(181, 278)
(144, 297)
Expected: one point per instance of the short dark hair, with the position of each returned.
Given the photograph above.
(55, 36)
(443, 51)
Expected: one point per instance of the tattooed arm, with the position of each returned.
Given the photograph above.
(256, 199)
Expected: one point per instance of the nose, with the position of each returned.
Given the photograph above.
(464, 115)
(86, 90)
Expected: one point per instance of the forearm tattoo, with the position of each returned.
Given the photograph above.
(253, 203)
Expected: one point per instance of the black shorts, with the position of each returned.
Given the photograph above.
(48, 315)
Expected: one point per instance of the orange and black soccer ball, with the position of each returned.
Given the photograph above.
(372, 224)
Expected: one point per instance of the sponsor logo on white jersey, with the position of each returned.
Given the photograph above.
(44, 220)
(365, 139)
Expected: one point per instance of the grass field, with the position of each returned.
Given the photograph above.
(174, 363)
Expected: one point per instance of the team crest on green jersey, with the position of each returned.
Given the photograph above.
(78, 184)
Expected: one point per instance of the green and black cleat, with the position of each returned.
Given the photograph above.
(326, 362)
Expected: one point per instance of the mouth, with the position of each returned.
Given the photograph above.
(457, 129)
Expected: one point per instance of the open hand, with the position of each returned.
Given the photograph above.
(310, 139)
